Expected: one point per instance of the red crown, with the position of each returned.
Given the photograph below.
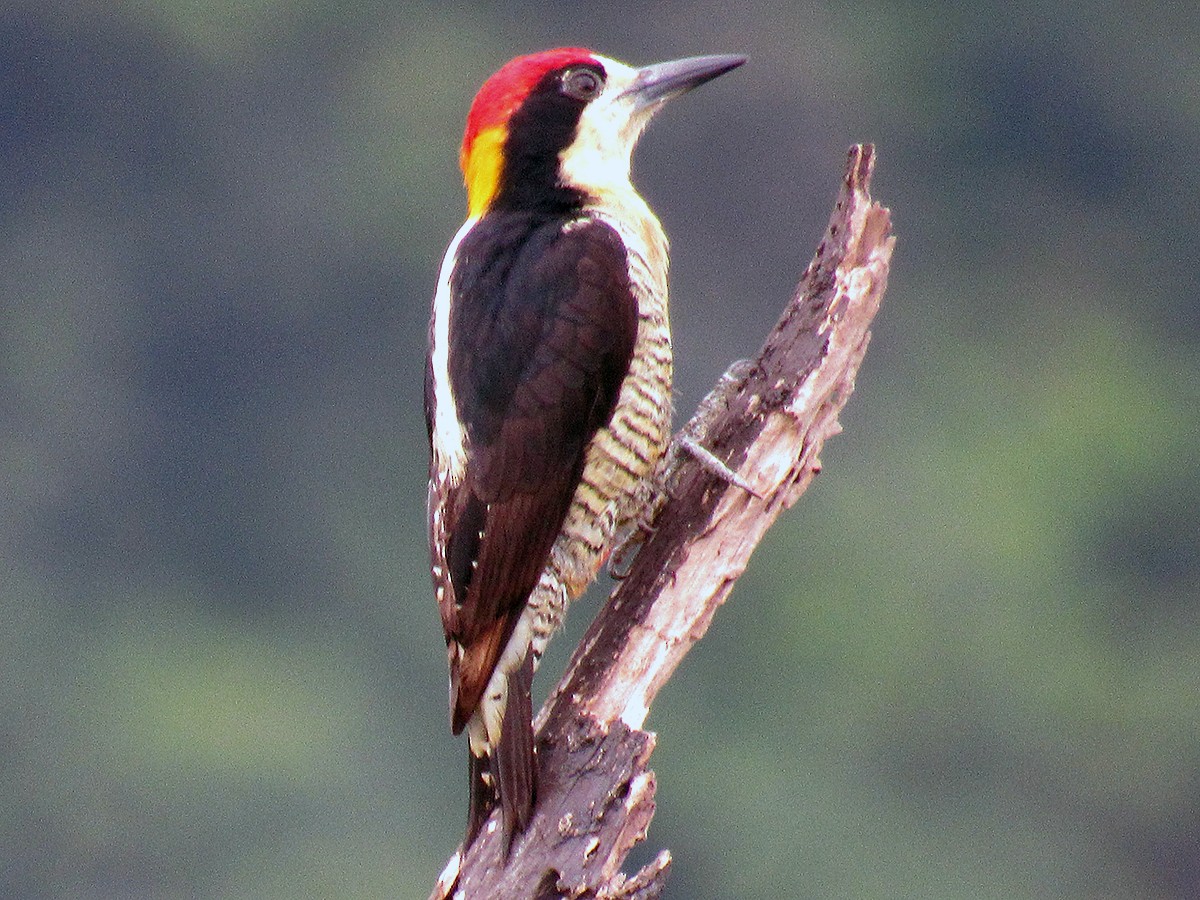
(504, 92)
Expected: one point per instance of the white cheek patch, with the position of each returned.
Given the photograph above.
(598, 159)
(449, 436)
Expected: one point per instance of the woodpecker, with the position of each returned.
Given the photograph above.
(548, 382)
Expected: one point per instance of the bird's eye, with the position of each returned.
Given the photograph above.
(582, 84)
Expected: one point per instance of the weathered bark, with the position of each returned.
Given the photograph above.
(767, 421)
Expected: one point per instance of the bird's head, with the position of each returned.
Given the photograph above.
(556, 128)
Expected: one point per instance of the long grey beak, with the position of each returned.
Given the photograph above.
(660, 82)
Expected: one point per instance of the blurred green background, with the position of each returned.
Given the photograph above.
(966, 665)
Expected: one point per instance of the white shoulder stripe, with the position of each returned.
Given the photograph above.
(449, 436)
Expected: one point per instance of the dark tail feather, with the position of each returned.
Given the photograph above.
(510, 771)
(514, 757)
(481, 800)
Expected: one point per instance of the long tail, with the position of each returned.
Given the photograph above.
(510, 774)
(481, 798)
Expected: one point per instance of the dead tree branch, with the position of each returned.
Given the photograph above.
(767, 421)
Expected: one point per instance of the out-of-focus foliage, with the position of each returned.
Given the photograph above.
(966, 665)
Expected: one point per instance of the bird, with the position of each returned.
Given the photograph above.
(547, 383)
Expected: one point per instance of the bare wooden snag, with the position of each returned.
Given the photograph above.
(767, 420)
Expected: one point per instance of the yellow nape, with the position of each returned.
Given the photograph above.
(481, 166)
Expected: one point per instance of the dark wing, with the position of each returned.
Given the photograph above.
(542, 327)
